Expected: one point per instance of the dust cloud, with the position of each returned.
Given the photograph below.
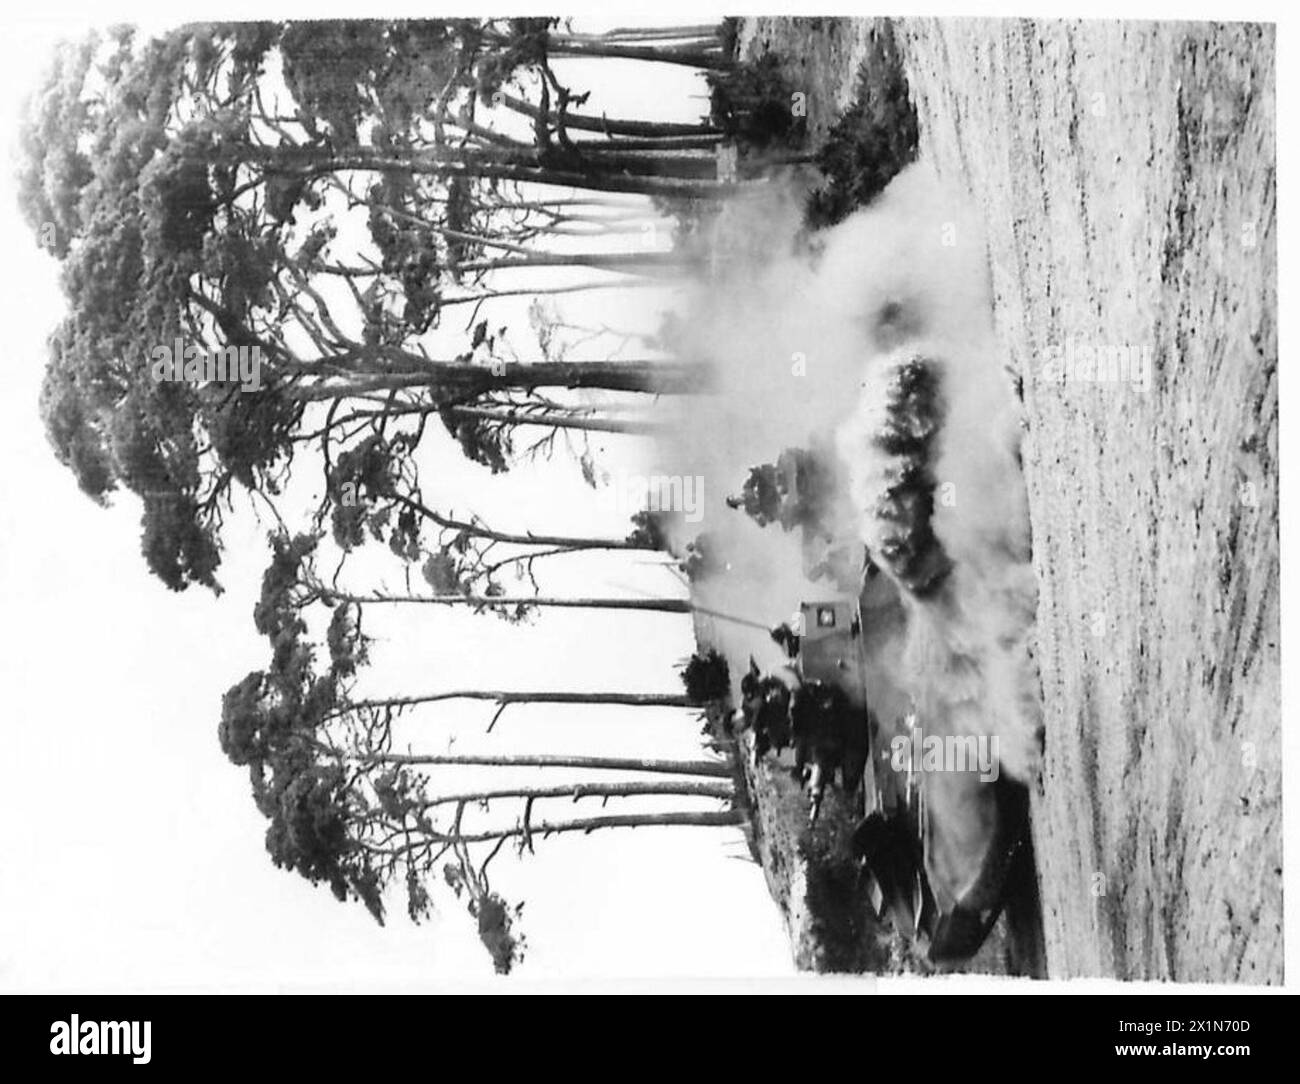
(803, 337)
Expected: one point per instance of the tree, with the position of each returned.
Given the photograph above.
(706, 677)
(374, 494)
(291, 584)
(183, 228)
(346, 810)
(905, 542)
(796, 491)
(323, 198)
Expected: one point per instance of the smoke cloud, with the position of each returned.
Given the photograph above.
(804, 340)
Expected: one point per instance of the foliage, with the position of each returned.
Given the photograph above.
(481, 441)
(496, 930)
(190, 210)
(362, 479)
(875, 137)
(348, 648)
(524, 46)
(703, 558)
(752, 103)
(649, 530)
(495, 918)
(186, 211)
(761, 496)
(706, 677)
(907, 544)
(176, 546)
(796, 491)
(848, 938)
(309, 833)
(276, 614)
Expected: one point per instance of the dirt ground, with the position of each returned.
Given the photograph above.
(1125, 173)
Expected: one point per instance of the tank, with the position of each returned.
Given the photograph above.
(936, 848)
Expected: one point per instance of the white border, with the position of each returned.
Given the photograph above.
(82, 12)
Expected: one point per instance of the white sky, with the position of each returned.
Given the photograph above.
(131, 852)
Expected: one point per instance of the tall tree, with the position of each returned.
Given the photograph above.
(182, 232)
(347, 810)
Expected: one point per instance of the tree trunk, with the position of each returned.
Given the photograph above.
(689, 57)
(713, 768)
(488, 164)
(618, 820)
(655, 162)
(495, 602)
(584, 123)
(463, 380)
(655, 700)
(680, 788)
(643, 375)
(599, 425)
(492, 295)
(563, 542)
(385, 368)
(698, 30)
(530, 256)
(626, 262)
(666, 143)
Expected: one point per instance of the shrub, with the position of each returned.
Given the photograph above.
(706, 677)
(703, 558)
(796, 491)
(752, 103)
(875, 137)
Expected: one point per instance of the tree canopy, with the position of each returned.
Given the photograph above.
(322, 193)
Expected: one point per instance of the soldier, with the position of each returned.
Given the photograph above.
(765, 705)
(829, 739)
(787, 639)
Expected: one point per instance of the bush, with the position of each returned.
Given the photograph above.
(706, 677)
(752, 103)
(703, 558)
(728, 36)
(904, 512)
(875, 137)
(649, 530)
(796, 491)
(849, 938)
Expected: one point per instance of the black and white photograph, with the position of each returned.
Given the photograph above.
(637, 500)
